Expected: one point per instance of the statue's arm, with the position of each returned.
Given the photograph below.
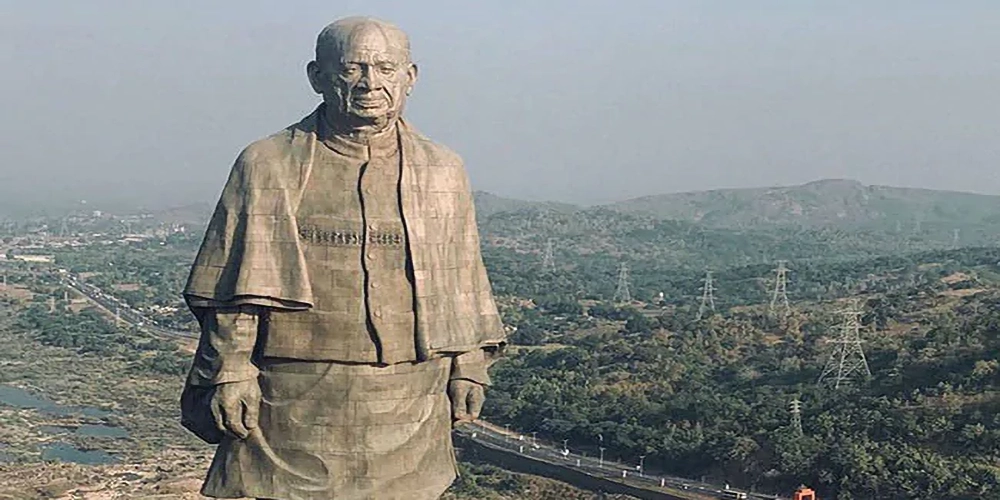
(225, 349)
(466, 384)
(471, 366)
(222, 395)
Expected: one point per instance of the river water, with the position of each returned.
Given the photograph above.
(19, 398)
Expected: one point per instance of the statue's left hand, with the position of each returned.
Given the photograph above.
(466, 400)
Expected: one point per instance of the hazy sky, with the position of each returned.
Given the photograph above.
(582, 101)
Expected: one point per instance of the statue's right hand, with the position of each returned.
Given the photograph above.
(235, 406)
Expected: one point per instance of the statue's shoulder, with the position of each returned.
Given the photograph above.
(277, 155)
(271, 149)
(434, 152)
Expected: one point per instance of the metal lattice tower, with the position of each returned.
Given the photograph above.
(955, 237)
(795, 407)
(548, 258)
(847, 362)
(780, 294)
(622, 293)
(707, 296)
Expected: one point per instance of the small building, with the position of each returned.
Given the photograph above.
(804, 493)
(35, 258)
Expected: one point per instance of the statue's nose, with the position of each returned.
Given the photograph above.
(370, 78)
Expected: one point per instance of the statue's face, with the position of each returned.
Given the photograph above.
(369, 81)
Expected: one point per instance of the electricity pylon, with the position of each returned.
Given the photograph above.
(795, 407)
(622, 293)
(548, 258)
(707, 296)
(847, 361)
(780, 292)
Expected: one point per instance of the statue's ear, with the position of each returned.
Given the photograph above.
(411, 78)
(315, 76)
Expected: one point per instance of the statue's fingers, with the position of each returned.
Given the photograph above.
(475, 401)
(233, 419)
(216, 409)
(251, 411)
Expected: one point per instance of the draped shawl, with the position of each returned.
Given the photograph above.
(251, 253)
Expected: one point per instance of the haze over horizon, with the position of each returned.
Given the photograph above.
(148, 104)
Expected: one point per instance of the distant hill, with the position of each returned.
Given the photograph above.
(488, 204)
(831, 202)
(832, 220)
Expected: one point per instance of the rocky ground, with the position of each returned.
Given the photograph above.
(175, 476)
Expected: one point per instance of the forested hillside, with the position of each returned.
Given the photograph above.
(711, 397)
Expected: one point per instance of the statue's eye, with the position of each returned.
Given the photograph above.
(350, 69)
(387, 69)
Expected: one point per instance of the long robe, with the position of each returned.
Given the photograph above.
(318, 444)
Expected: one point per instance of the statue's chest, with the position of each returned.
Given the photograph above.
(350, 202)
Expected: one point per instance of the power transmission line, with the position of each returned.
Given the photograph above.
(707, 296)
(847, 361)
(622, 293)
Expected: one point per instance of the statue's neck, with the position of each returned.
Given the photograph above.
(359, 143)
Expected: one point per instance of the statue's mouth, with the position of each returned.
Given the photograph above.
(368, 102)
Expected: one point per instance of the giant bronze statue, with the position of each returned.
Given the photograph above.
(346, 317)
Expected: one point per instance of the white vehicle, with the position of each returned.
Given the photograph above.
(733, 495)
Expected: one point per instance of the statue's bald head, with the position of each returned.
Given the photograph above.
(359, 32)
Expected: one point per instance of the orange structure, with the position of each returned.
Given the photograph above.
(804, 493)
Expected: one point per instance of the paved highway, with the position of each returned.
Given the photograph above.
(555, 454)
(114, 305)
